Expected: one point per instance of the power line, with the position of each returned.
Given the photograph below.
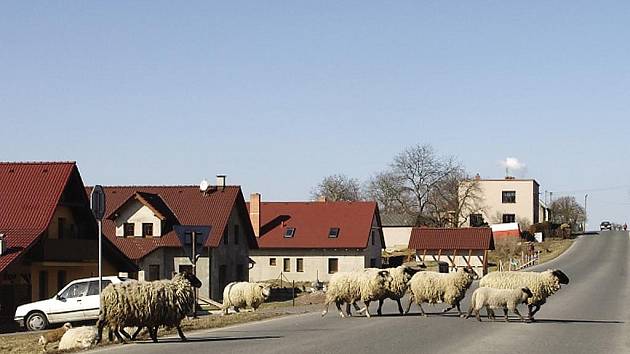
(602, 189)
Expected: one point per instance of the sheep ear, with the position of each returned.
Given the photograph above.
(562, 278)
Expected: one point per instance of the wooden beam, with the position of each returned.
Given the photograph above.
(453, 261)
(485, 262)
(439, 254)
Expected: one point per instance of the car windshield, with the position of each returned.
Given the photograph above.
(75, 290)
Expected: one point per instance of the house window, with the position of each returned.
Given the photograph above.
(240, 272)
(272, 262)
(509, 196)
(299, 265)
(476, 220)
(226, 236)
(147, 229)
(289, 232)
(236, 234)
(333, 233)
(185, 268)
(373, 236)
(333, 265)
(128, 229)
(61, 279)
(508, 218)
(286, 264)
(61, 223)
(154, 272)
(372, 262)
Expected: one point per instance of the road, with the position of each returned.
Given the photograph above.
(586, 316)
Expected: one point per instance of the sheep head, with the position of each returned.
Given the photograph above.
(562, 278)
(67, 326)
(471, 272)
(192, 279)
(528, 294)
(265, 290)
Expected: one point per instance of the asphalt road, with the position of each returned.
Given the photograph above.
(586, 316)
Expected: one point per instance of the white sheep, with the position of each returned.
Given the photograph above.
(541, 284)
(490, 298)
(348, 287)
(244, 294)
(78, 338)
(398, 285)
(147, 304)
(434, 287)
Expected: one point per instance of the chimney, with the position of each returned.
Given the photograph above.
(477, 177)
(254, 212)
(221, 182)
(3, 244)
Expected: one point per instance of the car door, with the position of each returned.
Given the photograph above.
(92, 300)
(68, 305)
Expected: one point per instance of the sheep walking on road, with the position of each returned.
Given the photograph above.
(490, 298)
(397, 288)
(147, 304)
(541, 284)
(348, 287)
(244, 294)
(434, 287)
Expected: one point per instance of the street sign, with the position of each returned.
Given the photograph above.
(97, 201)
(186, 233)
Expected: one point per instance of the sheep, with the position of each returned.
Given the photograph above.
(490, 298)
(53, 335)
(147, 304)
(244, 294)
(542, 285)
(78, 338)
(434, 287)
(398, 286)
(348, 287)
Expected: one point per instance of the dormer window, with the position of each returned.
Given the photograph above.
(147, 229)
(128, 229)
(333, 233)
(289, 232)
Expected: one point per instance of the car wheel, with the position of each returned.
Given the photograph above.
(36, 321)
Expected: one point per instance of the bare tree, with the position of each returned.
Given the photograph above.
(338, 187)
(387, 190)
(566, 210)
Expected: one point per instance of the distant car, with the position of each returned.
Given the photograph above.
(605, 225)
(77, 301)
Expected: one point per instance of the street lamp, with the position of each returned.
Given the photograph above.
(585, 197)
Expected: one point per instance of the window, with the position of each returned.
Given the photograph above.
(93, 287)
(61, 279)
(333, 265)
(43, 284)
(299, 265)
(372, 262)
(147, 229)
(272, 262)
(333, 233)
(289, 232)
(128, 229)
(61, 225)
(236, 234)
(75, 290)
(507, 218)
(154, 272)
(226, 236)
(373, 236)
(509, 196)
(286, 264)
(476, 220)
(240, 272)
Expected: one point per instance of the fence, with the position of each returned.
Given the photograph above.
(526, 260)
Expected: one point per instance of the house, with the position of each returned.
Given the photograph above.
(308, 241)
(50, 234)
(396, 230)
(458, 247)
(505, 201)
(142, 221)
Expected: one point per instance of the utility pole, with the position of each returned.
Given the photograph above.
(585, 213)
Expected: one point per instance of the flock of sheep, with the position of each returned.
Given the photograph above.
(150, 305)
(505, 290)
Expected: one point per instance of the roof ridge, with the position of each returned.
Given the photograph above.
(161, 186)
(37, 162)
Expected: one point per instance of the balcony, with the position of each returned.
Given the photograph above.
(65, 250)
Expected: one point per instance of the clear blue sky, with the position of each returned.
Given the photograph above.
(279, 94)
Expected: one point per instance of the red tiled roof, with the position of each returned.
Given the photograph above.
(29, 194)
(312, 222)
(187, 203)
(471, 238)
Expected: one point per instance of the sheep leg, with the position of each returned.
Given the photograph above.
(505, 312)
(490, 313)
(99, 329)
(133, 337)
(530, 314)
(537, 308)
(153, 334)
(366, 308)
(349, 310)
(477, 314)
(380, 306)
(119, 337)
(515, 310)
(124, 333)
(409, 305)
(422, 310)
(338, 304)
(325, 310)
(181, 334)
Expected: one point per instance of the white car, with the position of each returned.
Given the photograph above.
(77, 301)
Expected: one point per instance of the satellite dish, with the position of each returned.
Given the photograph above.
(203, 186)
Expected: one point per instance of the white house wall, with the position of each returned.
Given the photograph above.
(137, 213)
(396, 236)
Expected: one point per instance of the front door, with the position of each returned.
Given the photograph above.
(69, 304)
